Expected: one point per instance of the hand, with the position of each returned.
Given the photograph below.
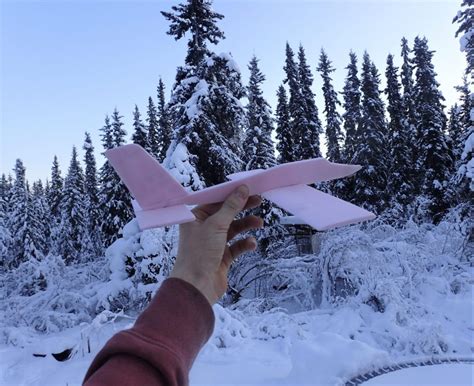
(204, 257)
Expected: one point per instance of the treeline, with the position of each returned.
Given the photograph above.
(416, 162)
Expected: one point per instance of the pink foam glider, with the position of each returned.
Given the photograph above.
(160, 200)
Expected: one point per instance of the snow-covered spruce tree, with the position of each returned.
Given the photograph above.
(153, 131)
(352, 108)
(333, 118)
(40, 217)
(310, 128)
(140, 132)
(351, 118)
(164, 121)
(212, 120)
(409, 108)
(92, 240)
(197, 18)
(5, 236)
(399, 184)
(18, 219)
(54, 198)
(462, 138)
(435, 162)
(73, 216)
(285, 141)
(34, 242)
(258, 145)
(455, 131)
(258, 148)
(114, 199)
(371, 181)
(205, 104)
(465, 20)
(295, 102)
(5, 192)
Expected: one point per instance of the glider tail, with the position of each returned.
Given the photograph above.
(148, 182)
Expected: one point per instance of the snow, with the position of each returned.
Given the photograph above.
(464, 40)
(445, 374)
(177, 162)
(312, 347)
(418, 273)
(192, 106)
(231, 63)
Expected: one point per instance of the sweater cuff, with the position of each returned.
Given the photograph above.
(180, 317)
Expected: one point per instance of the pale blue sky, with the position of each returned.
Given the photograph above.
(65, 64)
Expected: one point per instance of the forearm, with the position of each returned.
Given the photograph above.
(163, 343)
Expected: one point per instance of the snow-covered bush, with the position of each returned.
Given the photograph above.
(395, 279)
(139, 262)
(49, 296)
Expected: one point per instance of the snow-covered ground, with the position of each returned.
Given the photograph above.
(319, 347)
(412, 301)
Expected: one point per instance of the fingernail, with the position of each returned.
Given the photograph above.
(243, 192)
(254, 243)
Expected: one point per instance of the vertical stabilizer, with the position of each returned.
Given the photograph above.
(148, 182)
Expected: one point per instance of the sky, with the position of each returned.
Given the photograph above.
(66, 64)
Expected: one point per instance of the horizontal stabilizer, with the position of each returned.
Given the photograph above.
(154, 218)
(320, 210)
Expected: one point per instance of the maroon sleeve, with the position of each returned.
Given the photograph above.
(162, 345)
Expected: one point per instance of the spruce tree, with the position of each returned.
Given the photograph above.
(164, 121)
(140, 132)
(106, 136)
(408, 102)
(73, 221)
(114, 198)
(465, 21)
(455, 131)
(92, 245)
(463, 139)
(18, 221)
(5, 236)
(310, 129)
(351, 120)
(40, 218)
(285, 141)
(55, 189)
(466, 104)
(54, 199)
(295, 102)
(352, 108)
(197, 18)
(435, 161)
(205, 104)
(371, 143)
(333, 118)
(118, 132)
(258, 147)
(399, 187)
(153, 130)
(5, 193)
(34, 243)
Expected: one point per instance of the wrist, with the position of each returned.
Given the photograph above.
(200, 282)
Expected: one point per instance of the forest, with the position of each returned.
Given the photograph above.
(71, 253)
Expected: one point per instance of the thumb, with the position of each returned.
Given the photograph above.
(231, 207)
